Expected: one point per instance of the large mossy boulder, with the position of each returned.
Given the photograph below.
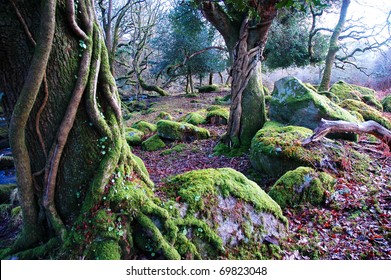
(300, 186)
(225, 215)
(181, 131)
(386, 102)
(367, 112)
(293, 103)
(276, 149)
(345, 91)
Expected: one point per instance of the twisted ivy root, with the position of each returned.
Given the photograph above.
(31, 231)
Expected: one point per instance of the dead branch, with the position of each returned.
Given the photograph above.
(368, 127)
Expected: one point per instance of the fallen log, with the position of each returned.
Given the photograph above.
(368, 127)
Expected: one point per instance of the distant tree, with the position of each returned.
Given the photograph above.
(382, 71)
(113, 16)
(288, 43)
(188, 46)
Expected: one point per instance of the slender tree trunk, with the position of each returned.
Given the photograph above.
(210, 78)
(333, 47)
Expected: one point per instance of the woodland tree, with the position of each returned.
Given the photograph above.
(77, 178)
(244, 25)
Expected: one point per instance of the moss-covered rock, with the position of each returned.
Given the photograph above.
(295, 104)
(208, 88)
(224, 214)
(226, 100)
(302, 185)
(386, 102)
(330, 96)
(133, 136)
(276, 149)
(194, 118)
(366, 111)
(345, 91)
(218, 117)
(153, 143)
(145, 127)
(163, 116)
(181, 131)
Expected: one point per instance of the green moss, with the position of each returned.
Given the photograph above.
(311, 87)
(153, 143)
(386, 102)
(302, 185)
(345, 91)
(145, 127)
(5, 192)
(193, 187)
(219, 116)
(16, 211)
(224, 213)
(133, 136)
(181, 131)
(223, 149)
(176, 149)
(208, 88)
(330, 96)
(225, 100)
(366, 111)
(214, 107)
(107, 250)
(140, 164)
(194, 118)
(295, 104)
(373, 102)
(164, 116)
(276, 149)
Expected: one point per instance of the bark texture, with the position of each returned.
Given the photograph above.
(245, 38)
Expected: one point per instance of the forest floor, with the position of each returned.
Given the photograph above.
(354, 223)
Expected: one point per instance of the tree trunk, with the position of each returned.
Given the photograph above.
(245, 42)
(333, 47)
(210, 78)
(80, 187)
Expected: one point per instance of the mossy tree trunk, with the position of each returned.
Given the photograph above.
(333, 47)
(79, 184)
(245, 39)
